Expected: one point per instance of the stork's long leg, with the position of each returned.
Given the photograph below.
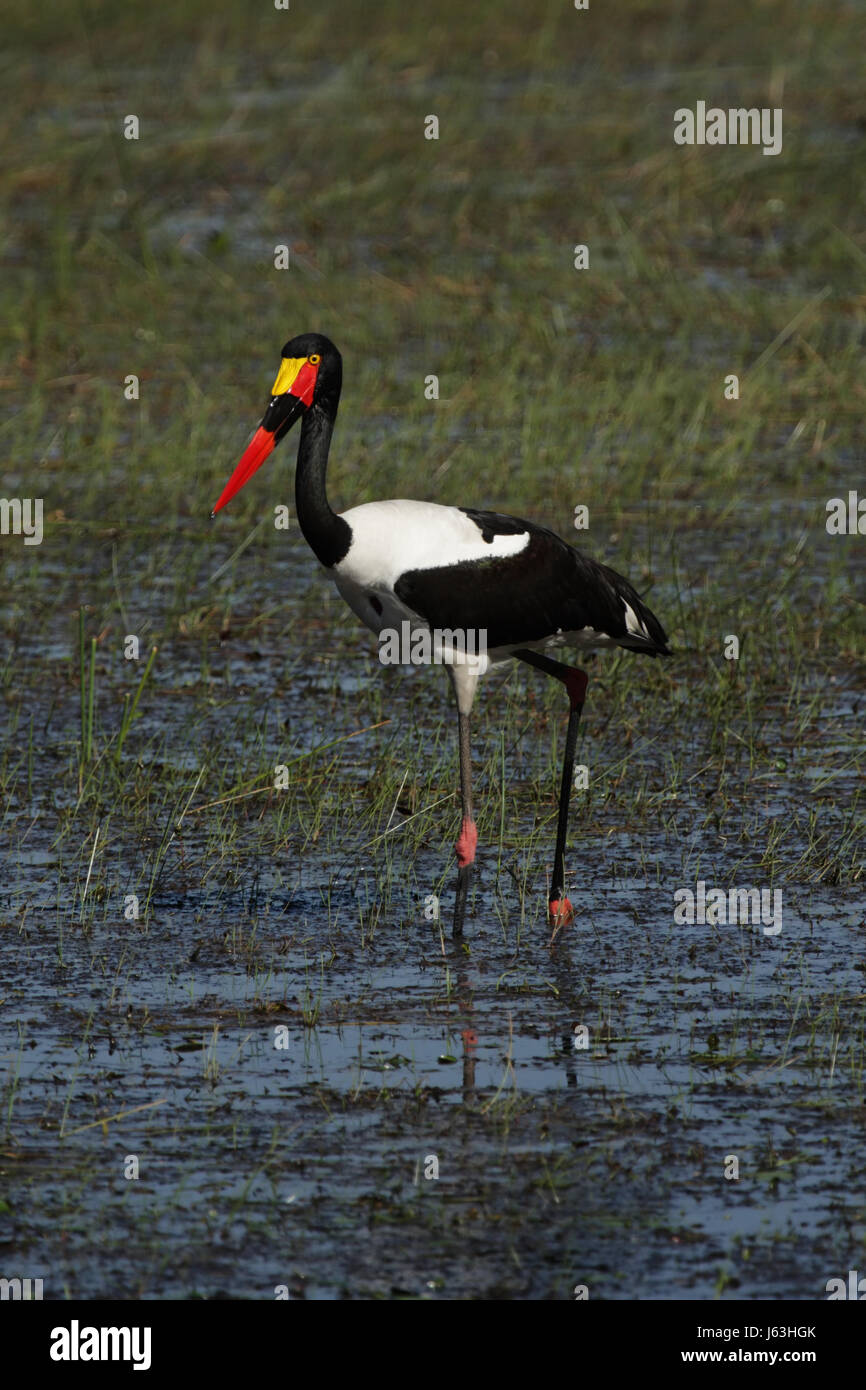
(468, 837)
(464, 680)
(575, 682)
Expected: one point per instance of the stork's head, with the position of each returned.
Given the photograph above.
(310, 376)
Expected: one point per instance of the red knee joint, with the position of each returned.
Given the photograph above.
(467, 842)
(576, 683)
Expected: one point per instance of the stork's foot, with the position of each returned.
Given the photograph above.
(560, 912)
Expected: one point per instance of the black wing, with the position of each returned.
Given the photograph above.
(548, 587)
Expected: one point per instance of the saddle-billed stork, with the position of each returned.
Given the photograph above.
(452, 569)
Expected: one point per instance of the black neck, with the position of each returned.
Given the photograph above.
(327, 534)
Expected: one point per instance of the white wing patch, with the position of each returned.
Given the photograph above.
(391, 538)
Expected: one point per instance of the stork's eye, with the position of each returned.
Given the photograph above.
(314, 359)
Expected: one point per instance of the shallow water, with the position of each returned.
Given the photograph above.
(305, 1163)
